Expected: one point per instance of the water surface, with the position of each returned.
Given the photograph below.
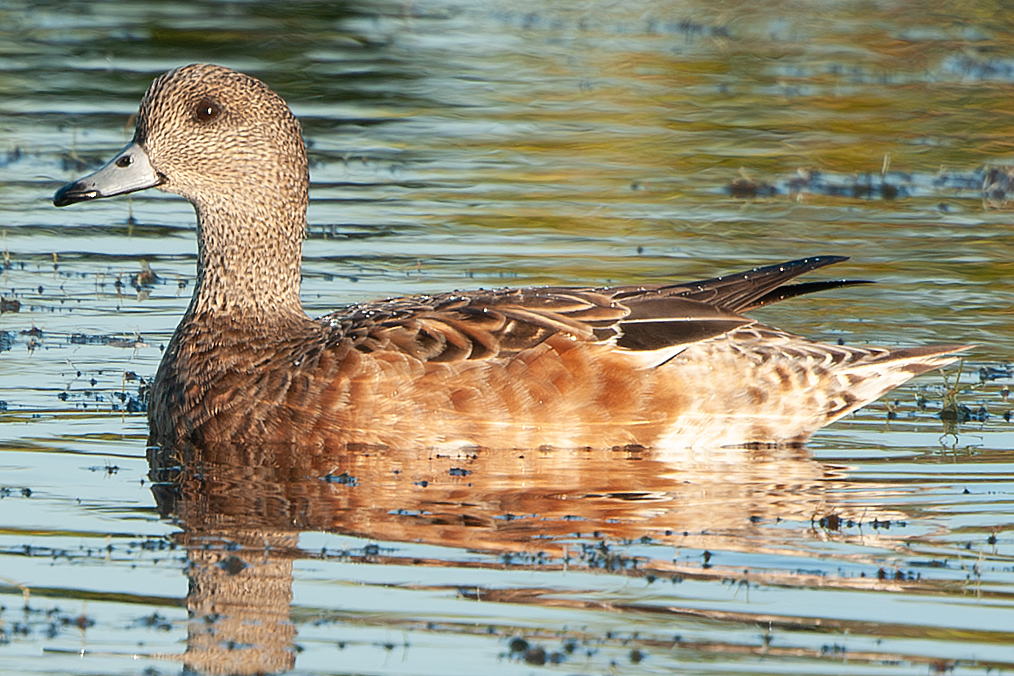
(478, 145)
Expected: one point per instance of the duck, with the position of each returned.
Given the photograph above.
(672, 365)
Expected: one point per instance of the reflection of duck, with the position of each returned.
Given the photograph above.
(505, 502)
(670, 365)
(242, 508)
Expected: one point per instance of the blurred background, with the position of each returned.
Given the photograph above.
(481, 144)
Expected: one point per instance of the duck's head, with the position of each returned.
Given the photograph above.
(212, 135)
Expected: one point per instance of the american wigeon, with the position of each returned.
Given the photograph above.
(658, 366)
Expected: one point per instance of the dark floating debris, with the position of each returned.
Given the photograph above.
(962, 414)
(746, 188)
(830, 522)
(995, 372)
(998, 186)
(111, 340)
(993, 185)
(536, 655)
(145, 279)
(117, 398)
(343, 479)
(9, 305)
(969, 67)
(518, 645)
(232, 565)
(155, 621)
(865, 186)
(686, 29)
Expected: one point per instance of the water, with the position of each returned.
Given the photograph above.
(467, 145)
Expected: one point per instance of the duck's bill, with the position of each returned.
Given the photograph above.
(129, 171)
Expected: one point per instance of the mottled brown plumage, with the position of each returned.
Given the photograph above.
(661, 366)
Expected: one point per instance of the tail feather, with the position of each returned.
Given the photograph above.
(742, 291)
(803, 288)
(869, 380)
(923, 358)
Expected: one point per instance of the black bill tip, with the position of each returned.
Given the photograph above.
(75, 192)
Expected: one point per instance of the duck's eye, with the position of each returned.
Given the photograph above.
(207, 110)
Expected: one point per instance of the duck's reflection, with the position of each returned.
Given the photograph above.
(242, 509)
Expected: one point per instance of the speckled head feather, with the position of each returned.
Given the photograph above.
(232, 147)
(210, 130)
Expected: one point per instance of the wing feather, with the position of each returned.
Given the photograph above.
(488, 323)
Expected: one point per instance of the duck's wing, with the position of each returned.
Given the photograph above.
(747, 290)
(483, 324)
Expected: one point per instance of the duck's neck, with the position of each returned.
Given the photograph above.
(248, 260)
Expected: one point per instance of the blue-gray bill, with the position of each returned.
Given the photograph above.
(129, 171)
